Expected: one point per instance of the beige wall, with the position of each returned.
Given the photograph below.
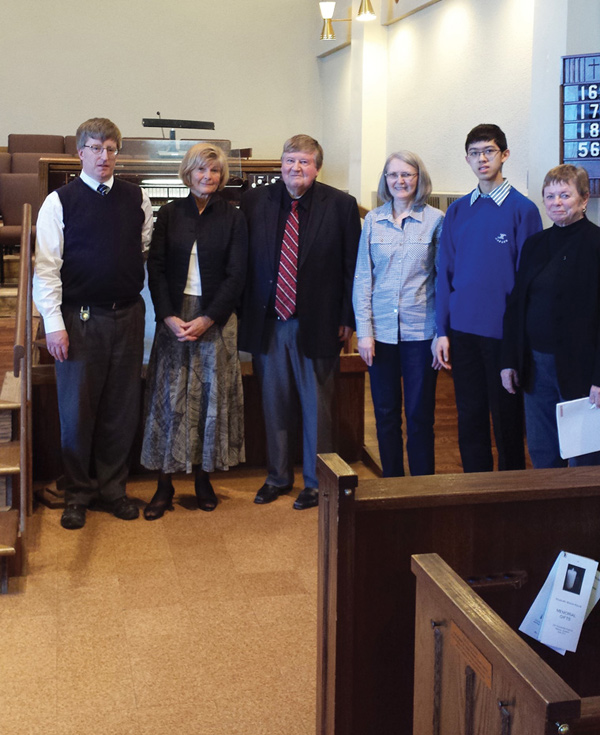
(449, 67)
(455, 65)
(252, 68)
(248, 66)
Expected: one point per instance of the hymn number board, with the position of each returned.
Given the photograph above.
(581, 115)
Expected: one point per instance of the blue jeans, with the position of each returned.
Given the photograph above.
(540, 417)
(404, 365)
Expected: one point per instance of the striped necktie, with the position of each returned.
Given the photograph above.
(102, 189)
(285, 294)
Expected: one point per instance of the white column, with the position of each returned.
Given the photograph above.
(368, 106)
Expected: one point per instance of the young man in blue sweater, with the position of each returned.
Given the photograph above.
(481, 241)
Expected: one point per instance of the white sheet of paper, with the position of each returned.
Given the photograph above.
(578, 427)
(532, 622)
(568, 602)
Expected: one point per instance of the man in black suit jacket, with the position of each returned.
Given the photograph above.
(295, 357)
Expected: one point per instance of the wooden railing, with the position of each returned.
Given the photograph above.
(22, 366)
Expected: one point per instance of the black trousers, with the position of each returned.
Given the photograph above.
(479, 392)
(99, 389)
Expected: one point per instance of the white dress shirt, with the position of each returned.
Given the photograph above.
(49, 247)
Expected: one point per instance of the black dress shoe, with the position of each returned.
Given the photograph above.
(162, 500)
(125, 509)
(308, 498)
(269, 493)
(73, 517)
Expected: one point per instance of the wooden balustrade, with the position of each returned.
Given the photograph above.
(16, 454)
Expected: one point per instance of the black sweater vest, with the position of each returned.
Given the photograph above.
(102, 259)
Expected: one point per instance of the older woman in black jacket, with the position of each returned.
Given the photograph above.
(196, 270)
(551, 341)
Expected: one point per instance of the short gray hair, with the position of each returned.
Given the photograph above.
(566, 173)
(304, 144)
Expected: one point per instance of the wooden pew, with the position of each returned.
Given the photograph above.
(474, 673)
(500, 530)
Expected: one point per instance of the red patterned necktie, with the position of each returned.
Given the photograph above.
(285, 294)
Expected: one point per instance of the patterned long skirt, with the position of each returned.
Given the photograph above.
(194, 404)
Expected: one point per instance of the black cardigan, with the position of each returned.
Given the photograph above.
(576, 310)
(222, 238)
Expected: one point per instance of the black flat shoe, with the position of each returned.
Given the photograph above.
(162, 500)
(205, 495)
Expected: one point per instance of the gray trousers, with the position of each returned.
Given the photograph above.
(99, 389)
(293, 385)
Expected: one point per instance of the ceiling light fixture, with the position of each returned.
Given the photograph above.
(365, 12)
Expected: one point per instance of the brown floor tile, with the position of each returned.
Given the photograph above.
(155, 622)
(95, 674)
(196, 623)
(163, 673)
(199, 717)
(28, 722)
(103, 720)
(268, 584)
(88, 600)
(30, 596)
(34, 694)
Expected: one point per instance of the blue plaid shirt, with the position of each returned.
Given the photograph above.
(394, 281)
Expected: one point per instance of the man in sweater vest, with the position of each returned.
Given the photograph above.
(481, 242)
(89, 271)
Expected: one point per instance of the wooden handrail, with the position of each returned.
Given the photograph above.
(24, 290)
(22, 368)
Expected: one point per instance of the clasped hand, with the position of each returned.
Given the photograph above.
(188, 331)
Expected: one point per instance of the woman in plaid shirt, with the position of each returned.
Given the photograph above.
(394, 305)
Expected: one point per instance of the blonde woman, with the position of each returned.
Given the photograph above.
(196, 270)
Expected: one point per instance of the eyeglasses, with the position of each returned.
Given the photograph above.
(489, 153)
(394, 176)
(111, 151)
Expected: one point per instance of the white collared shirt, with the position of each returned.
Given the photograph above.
(498, 194)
